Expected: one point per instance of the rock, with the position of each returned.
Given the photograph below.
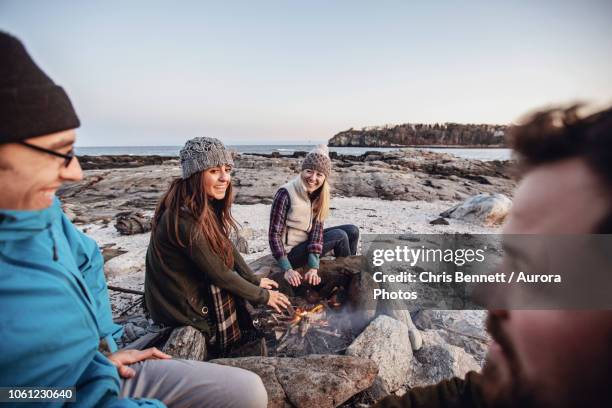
(240, 242)
(372, 156)
(404, 316)
(241, 239)
(139, 331)
(265, 266)
(317, 381)
(70, 211)
(128, 263)
(187, 343)
(109, 252)
(462, 328)
(385, 341)
(130, 223)
(439, 221)
(151, 339)
(128, 333)
(119, 161)
(416, 340)
(479, 179)
(437, 360)
(486, 209)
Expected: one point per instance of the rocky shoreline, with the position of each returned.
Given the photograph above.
(114, 184)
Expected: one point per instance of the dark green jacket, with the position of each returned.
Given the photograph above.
(177, 279)
(453, 393)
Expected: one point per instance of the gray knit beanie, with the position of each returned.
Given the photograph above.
(318, 159)
(201, 153)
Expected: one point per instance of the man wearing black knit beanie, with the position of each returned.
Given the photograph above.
(55, 322)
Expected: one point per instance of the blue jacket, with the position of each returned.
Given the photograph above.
(54, 309)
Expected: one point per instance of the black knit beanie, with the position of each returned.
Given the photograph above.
(30, 103)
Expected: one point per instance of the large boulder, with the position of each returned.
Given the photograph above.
(462, 328)
(486, 209)
(438, 360)
(317, 381)
(385, 341)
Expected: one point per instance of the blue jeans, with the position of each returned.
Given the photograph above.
(342, 239)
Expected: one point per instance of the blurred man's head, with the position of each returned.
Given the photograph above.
(559, 358)
(37, 123)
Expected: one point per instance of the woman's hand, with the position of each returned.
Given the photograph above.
(267, 283)
(293, 277)
(122, 359)
(278, 300)
(312, 277)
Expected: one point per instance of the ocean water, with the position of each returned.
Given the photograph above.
(478, 154)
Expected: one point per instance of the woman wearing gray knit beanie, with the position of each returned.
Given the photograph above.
(194, 274)
(296, 233)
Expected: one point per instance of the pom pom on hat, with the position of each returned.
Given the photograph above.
(321, 149)
(318, 159)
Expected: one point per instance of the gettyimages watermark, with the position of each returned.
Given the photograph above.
(464, 271)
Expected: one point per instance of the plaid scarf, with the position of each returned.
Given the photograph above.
(228, 328)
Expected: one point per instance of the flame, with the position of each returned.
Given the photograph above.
(318, 308)
(300, 313)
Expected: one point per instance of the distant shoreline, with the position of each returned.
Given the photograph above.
(429, 147)
(491, 152)
(339, 147)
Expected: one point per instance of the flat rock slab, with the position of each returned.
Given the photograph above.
(317, 381)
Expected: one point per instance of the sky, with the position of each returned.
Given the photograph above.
(144, 73)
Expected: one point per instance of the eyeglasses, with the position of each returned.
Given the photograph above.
(67, 157)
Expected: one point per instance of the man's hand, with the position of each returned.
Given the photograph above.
(293, 277)
(278, 300)
(123, 358)
(312, 277)
(267, 283)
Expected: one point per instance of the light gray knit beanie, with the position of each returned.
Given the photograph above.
(201, 153)
(318, 159)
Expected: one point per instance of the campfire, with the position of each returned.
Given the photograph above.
(306, 329)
